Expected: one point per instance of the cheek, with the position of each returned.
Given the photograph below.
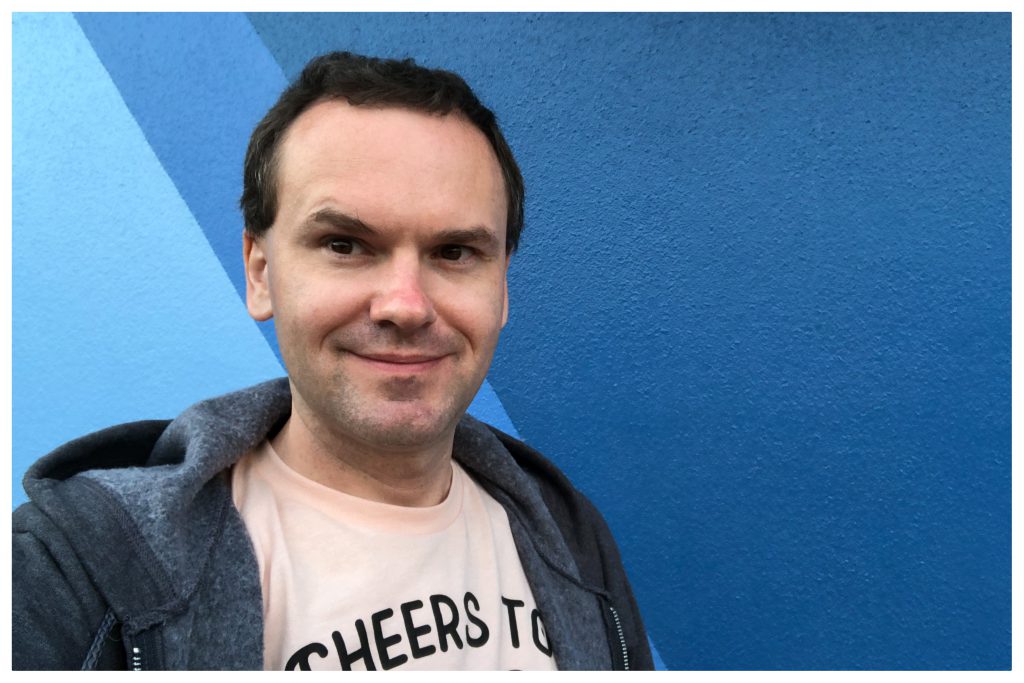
(322, 312)
(479, 316)
(308, 307)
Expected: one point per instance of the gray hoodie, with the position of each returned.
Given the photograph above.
(131, 554)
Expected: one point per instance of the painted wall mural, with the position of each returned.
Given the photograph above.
(761, 312)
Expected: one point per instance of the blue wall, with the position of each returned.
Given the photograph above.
(761, 313)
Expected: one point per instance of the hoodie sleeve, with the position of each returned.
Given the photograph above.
(56, 610)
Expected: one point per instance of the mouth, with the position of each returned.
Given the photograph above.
(400, 363)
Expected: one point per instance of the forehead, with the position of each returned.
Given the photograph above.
(390, 166)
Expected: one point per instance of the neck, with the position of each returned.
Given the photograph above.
(417, 478)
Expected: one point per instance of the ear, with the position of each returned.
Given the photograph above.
(504, 280)
(257, 287)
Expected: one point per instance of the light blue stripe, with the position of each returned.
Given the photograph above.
(121, 310)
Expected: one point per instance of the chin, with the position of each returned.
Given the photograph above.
(402, 425)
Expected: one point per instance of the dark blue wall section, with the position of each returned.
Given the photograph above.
(761, 311)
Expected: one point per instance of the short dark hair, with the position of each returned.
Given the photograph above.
(368, 81)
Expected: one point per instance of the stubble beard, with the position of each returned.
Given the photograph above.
(393, 414)
(383, 413)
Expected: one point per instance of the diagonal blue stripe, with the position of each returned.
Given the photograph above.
(196, 84)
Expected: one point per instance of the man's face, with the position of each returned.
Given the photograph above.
(384, 270)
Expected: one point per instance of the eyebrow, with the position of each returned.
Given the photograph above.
(478, 236)
(339, 220)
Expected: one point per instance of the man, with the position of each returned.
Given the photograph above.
(351, 516)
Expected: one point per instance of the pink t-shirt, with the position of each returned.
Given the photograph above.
(350, 583)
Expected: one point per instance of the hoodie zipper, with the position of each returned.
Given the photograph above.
(143, 650)
(136, 663)
(622, 638)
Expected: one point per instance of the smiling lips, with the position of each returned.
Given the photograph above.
(404, 363)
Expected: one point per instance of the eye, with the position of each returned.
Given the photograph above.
(453, 252)
(343, 245)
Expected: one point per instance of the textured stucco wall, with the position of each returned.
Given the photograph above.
(761, 313)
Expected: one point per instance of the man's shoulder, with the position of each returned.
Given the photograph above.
(511, 465)
(532, 486)
(123, 522)
(559, 493)
(140, 475)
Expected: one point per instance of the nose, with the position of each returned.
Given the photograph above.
(401, 300)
